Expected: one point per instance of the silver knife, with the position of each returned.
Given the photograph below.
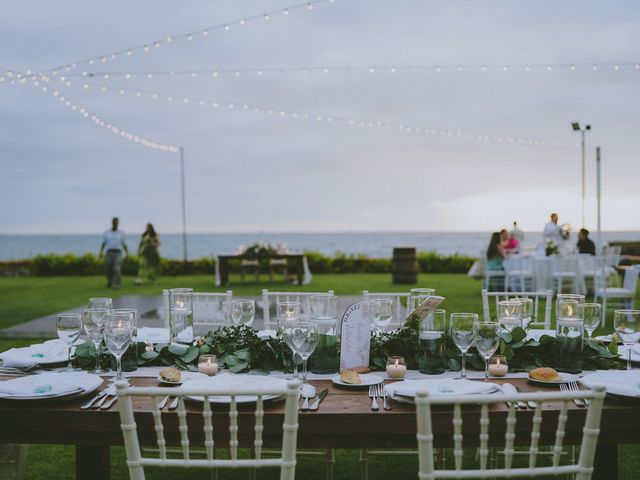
(314, 406)
(108, 404)
(530, 403)
(511, 389)
(87, 405)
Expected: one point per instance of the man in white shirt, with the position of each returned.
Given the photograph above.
(517, 233)
(113, 242)
(552, 231)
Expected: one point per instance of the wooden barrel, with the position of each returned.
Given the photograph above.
(404, 266)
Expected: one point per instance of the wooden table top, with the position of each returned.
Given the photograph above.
(344, 420)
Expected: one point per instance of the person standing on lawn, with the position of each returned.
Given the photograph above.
(113, 243)
(148, 256)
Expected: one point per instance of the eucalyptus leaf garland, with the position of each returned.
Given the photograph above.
(240, 349)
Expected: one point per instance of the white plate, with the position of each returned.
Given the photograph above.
(404, 392)
(229, 381)
(239, 399)
(635, 353)
(366, 378)
(186, 377)
(564, 378)
(62, 357)
(622, 383)
(87, 383)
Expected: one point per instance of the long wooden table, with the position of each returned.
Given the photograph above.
(296, 258)
(344, 420)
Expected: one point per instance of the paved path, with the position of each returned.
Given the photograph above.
(148, 308)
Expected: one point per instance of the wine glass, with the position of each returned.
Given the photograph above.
(118, 330)
(243, 312)
(101, 302)
(461, 325)
(69, 327)
(302, 337)
(225, 308)
(380, 310)
(526, 313)
(289, 314)
(487, 341)
(592, 315)
(417, 296)
(510, 314)
(93, 322)
(627, 326)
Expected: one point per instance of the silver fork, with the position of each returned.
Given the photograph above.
(373, 393)
(385, 396)
(577, 401)
(574, 387)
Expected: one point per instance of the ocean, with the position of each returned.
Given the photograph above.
(373, 244)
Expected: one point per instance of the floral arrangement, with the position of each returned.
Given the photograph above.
(262, 250)
(551, 248)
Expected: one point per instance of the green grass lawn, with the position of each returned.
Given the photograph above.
(22, 299)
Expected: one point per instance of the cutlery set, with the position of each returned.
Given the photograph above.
(573, 387)
(378, 391)
(315, 404)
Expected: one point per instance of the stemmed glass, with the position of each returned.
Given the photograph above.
(225, 308)
(510, 314)
(69, 327)
(101, 302)
(289, 314)
(487, 341)
(302, 336)
(118, 331)
(526, 310)
(417, 296)
(380, 310)
(627, 326)
(243, 312)
(461, 325)
(93, 322)
(592, 314)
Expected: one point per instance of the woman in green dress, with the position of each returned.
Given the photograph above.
(148, 256)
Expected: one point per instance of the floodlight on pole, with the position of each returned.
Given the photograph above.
(576, 128)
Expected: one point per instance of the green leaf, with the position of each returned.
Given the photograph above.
(178, 349)
(149, 355)
(518, 334)
(231, 360)
(238, 367)
(191, 355)
(243, 354)
(204, 348)
(613, 348)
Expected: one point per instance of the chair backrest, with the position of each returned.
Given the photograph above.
(136, 462)
(272, 298)
(583, 468)
(611, 254)
(630, 281)
(520, 263)
(207, 307)
(564, 263)
(399, 309)
(535, 296)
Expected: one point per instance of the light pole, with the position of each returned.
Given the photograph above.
(184, 208)
(599, 193)
(576, 128)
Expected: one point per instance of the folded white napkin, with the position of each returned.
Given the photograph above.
(45, 384)
(440, 387)
(153, 334)
(230, 382)
(34, 354)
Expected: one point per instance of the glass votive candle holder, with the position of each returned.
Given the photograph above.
(396, 367)
(208, 364)
(498, 366)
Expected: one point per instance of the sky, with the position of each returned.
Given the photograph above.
(252, 171)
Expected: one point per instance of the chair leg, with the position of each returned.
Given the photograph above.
(21, 461)
(364, 464)
(331, 462)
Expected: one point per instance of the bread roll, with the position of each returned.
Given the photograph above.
(544, 373)
(350, 376)
(171, 375)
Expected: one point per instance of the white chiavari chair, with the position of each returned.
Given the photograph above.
(518, 270)
(137, 462)
(582, 470)
(537, 297)
(270, 299)
(564, 273)
(207, 308)
(621, 296)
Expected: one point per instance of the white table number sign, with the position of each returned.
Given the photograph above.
(355, 341)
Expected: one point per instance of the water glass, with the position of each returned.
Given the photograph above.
(69, 327)
(510, 314)
(243, 312)
(118, 331)
(487, 341)
(569, 336)
(562, 297)
(289, 313)
(130, 357)
(225, 309)
(417, 296)
(431, 347)
(461, 327)
(181, 315)
(627, 325)
(380, 310)
(93, 322)
(592, 314)
(324, 314)
(302, 336)
(526, 310)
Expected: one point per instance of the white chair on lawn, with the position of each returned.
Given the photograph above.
(535, 296)
(611, 255)
(136, 462)
(494, 280)
(564, 273)
(207, 308)
(583, 469)
(624, 295)
(518, 270)
(272, 298)
(399, 308)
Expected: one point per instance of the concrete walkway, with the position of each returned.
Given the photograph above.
(148, 311)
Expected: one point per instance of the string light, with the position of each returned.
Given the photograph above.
(215, 104)
(98, 121)
(188, 37)
(372, 69)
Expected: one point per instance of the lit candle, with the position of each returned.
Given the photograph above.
(208, 364)
(498, 369)
(396, 367)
